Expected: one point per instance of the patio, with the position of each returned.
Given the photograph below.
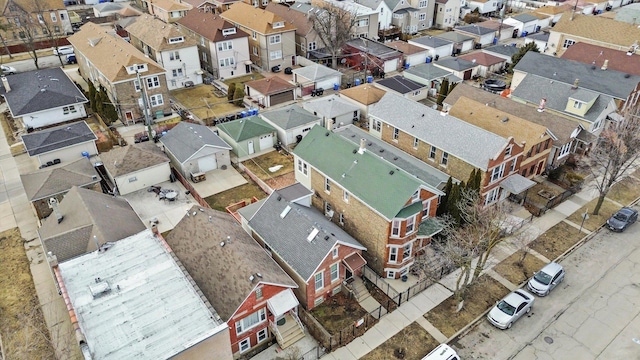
(218, 180)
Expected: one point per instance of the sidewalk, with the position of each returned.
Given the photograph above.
(416, 307)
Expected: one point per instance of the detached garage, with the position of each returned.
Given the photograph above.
(135, 167)
(316, 77)
(248, 137)
(269, 91)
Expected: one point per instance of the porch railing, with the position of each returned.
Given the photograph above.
(297, 319)
(274, 329)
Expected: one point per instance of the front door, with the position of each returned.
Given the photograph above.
(250, 146)
(347, 273)
(540, 167)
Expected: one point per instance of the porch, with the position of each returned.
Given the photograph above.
(286, 325)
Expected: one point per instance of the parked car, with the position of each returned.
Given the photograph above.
(546, 279)
(510, 309)
(8, 70)
(63, 50)
(621, 220)
(71, 59)
(442, 352)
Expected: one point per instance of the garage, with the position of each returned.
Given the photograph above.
(280, 98)
(391, 65)
(266, 141)
(207, 163)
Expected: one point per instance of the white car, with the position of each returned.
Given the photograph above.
(510, 309)
(8, 70)
(63, 50)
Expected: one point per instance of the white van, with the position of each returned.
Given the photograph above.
(442, 352)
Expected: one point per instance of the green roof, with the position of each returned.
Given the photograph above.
(366, 176)
(429, 227)
(246, 128)
(410, 210)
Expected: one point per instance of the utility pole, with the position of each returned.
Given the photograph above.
(503, 7)
(147, 118)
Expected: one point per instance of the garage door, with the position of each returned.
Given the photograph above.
(207, 163)
(390, 65)
(282, 97)
(266, 141)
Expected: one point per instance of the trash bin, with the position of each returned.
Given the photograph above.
(336, 87)
(357, 82)
(369, 79)
(495, 40)
(429, 59)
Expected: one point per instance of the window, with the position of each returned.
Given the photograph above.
(327, 208)
(177, 39)
(415, 143)
(406, 252)
(327, 185)
(156, 100)
(422, 17)
(318, 301)
(278, 24)
(426, 206)
(229, 31)
(259, 293)
(204, 57)
(345, 196)
(254, 50)
(69, 110)
(445, 158)
(492, 196)
(254, 35)
(377, 125)
(225, 45)
(250, 321)
(341, 219)
(391, 274)
(312, 46)
(334, 252)
(415, 196)
(62, 16)
(395, 133)
(393, 254)
(40, 18)
(174, 55)
(53, 17)
(577, 104)
(202, 41)
(567, 43)
(45, 31)
(319, 280)
(177, 72)
(564, 150)
(56, 29)
(303, 167)
(432, 152)
(497, 172)
(507, 152)
(262, 335)
(226, 62)
(423, 4)
(265, 2)
(245, 345)
(335, 273)
(395, 228)
(153, 82)
(275, 55)
(175, 14)
(512, 167)
(381, 11)
(411, 224)
(275, 39)
(136, 85)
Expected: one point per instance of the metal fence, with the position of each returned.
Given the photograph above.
(376, 280)
(539, 210)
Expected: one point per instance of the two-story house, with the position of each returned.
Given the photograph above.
(170, 48)
(382, 206)
(223, 49)
(130, 79)
(272, 40)
(38, 22)
(447, 143)
(165, 10)
(411, 16)
(307, 39)
(385, 15)
(447, 13)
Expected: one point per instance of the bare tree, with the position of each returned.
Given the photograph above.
(616, 152)
(334, 26)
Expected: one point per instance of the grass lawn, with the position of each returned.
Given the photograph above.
(260, 165)
(414, 339)
(338, 312)
(243, 192)
(594, 221)
(22, 327)
(481, 295)
(556, 240)
(244, 79)
(625, 191)
(203, 103)
(510, 270)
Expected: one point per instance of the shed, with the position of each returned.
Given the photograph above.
(461, 42)
(291, 122)
(437, 47)
(315, 76)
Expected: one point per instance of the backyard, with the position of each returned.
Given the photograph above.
(275, 168)
(203, 103)
(243, 192)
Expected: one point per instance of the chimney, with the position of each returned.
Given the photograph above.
(605, 65)
(575, 84)
(329, 124)
(362, 148)
(543, 102)
(53, 204)
(5, 83)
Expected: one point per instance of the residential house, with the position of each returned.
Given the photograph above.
(445, 142)
(485, 7)
(524, 23)
(316, 253)
(271, 91)
(107, 9)
(136, 166)
(167, 10)
(42, 98)
(567, 136)
(376, 57)
(51, 15)
(315, 76)
(334, 111)
(431, 76)
(385, 15)
(248, 137)
(603, 58)
(461, 42)
(406, 87)
(541, 40)
(223, 49)
(155, 310)
(554, 13)
(437, 47)
(108, 61)
(411, 54)
(273, 39)
(84, 221)
(307, 39)
(170, 48)
(248, 289)
(291, 122)
(459, 67)
(61, 144)
(195, 149)
(388, 210)
(596, 30)
(363, 96)
(505, 51)
(502, 30)
(487, 64)
(412, 16)
(482, 36)
(447, 13)
(629, 14)
(55, 182)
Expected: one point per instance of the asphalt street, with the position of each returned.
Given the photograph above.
(45, 60)
(592, 314)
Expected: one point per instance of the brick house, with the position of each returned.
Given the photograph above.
(317, 253)
(21, 16)
(447, 143)
(107, 60)
(248, 289)
(388, 210)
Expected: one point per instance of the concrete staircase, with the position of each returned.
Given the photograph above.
(359, 290)
(288, 333)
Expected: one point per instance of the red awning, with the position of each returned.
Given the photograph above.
(354, 261)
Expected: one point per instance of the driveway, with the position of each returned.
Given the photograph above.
(593, 314)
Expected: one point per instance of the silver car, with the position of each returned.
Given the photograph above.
(546, 279)
(510, 309)
(8, 70)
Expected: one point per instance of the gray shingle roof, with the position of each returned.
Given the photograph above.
(609, 82)
(51, 181)
(583, 95)
(40, 90)
(475, 29)
(525, 18)
(456, 64)
(431, 41)
(504, 50)
(287, 236)
(427, 71)
(186, 139)
(294, 192)
(459, 138)
(330, 106)
(135, 157)
(455, 36)
(316, 72)
(58, 137)
(401, 84)
(543, 36)
(290, 117)
(374, 48)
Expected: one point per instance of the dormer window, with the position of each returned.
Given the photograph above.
(136, 68)
(577, 104)
(507, 152)
(176, 40)
(278, 24)
(230, 31)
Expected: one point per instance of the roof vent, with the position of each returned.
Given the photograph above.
(99, 288)
(327, 134)
(504, 119)
(381, 150)
(313, 234)
(626, 76)
(259, 275)
(251, 278)
(326, 237)
(576, 83)
(391, 172)
(285, 212)
(605, 65)
(355, 151)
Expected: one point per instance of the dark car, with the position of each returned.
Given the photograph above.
(622, 219)
(71, 59)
